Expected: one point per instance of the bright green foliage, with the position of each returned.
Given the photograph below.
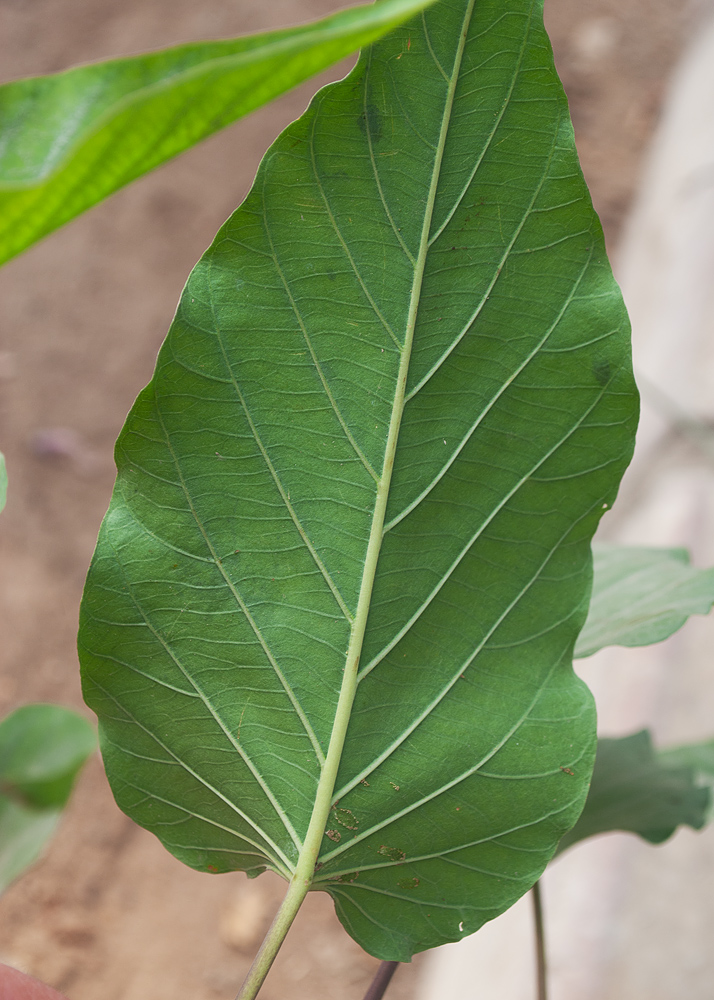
(42, 748)
(69, 140)
(642, 596)
(394, 402)
(637, 789)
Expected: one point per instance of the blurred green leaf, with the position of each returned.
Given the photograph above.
(634, 788)
(24, 832)
(699, 756)
(42, 748)
(3, 482)
(641, 596)
(71, 139)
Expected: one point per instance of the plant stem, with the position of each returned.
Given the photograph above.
(541, 964)
(297, 890)
(381, 981)
(305, 869)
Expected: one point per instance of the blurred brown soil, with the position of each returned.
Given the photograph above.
(108, 913)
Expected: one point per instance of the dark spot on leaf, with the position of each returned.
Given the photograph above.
(370, 122)
(408, 883)
(568, 771)
(212, 869)
(348, 877)
(601, 371)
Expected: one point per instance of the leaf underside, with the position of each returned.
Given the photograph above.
(418, 255)
(641, 596)
(71, 139)
(638, 790)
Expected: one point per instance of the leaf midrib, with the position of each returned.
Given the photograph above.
(323, 799)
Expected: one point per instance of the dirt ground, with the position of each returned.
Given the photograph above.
(108, 913)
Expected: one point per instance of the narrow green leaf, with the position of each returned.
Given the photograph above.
(3, 482)
(636, 789)
(69, 140)
(329, 624)
(42, 748)
(641, 596)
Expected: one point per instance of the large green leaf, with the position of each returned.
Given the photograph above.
(641, 596)
(394, 402)
(71, 139)
(42, 748)
(636, 789)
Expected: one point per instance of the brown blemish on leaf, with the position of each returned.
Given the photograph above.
(334, 835)
(408, 883)
(393, 853)
(346, 818)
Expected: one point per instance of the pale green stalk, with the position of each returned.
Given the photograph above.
(305, 869)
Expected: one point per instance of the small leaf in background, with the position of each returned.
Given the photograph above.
(634, 788)
(699, 756)
(71, 139)
(3, 482)
(641, 596)
(42, 748)
(331, 613)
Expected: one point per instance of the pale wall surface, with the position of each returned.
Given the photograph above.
(626, 921)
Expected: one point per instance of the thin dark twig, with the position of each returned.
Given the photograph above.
(381, 981)
(541, 964)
